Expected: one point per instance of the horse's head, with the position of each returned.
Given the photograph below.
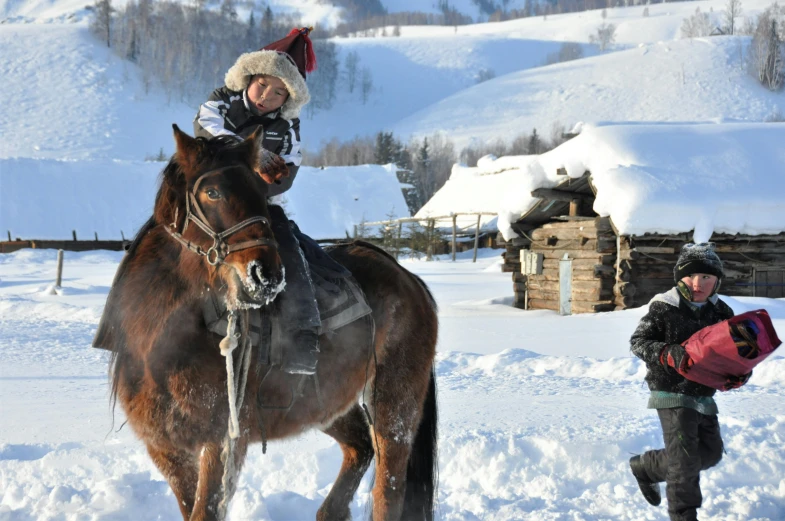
(212, 203)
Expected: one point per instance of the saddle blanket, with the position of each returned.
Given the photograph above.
(339, 299)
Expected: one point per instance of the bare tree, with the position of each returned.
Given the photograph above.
(732, 11)
(765, 57)
(604, 37)
(568, 51)
(102, 22)
(484, 75)
(350, 65)
(366, 84)
(696, 26)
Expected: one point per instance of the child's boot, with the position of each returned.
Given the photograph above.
(649, 488)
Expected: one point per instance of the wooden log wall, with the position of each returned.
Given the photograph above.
(646, 264)
(591, 245)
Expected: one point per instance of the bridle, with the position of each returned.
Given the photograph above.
(220, 249)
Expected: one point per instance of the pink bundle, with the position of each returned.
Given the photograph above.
(730, 348)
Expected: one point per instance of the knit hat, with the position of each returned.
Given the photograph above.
(288, 59)
(697, 258)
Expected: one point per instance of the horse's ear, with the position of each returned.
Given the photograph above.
(187, 149)
(252, 144)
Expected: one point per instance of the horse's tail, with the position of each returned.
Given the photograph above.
(422, 472)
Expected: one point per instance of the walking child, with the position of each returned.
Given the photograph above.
(687, 410)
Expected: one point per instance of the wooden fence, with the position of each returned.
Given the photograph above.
(429, 228)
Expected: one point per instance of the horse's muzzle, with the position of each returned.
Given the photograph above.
(260, 285)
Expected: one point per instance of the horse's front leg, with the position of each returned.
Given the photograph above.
(212, 494)
(179, 469)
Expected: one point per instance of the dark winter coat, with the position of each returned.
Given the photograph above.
(672, 320)
(226, 112)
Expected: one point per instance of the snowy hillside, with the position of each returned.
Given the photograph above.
(309, 11)
(423, 81)
(674, 81)
(65, 96)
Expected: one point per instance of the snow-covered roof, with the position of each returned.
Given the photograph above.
(649, 178)
(479, 189)
(46, 199)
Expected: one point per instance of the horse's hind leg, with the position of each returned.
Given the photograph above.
(397, 413)
(179, 469)
(352, 433)
(210, 490)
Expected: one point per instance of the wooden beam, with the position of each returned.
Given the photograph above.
(559, 195)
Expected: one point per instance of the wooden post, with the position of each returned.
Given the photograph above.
(59, 280)
(429, 239)
(398, 241)
(96, 235)
(476, 239)
(73, 232)
(574, 205)
(9, 235)
(454, 231)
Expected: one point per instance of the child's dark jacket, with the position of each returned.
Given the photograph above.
(226, 113)
(672, 320)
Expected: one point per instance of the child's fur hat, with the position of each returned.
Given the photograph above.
(288, 59)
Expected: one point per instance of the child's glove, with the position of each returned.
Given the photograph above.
(734, 382)
(271, 167)
(675, 356)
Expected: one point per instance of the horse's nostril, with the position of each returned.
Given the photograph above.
(257, 276)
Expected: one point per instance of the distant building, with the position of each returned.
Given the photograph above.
(601, 219)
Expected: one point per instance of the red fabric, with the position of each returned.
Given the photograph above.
(297, 44)
(715, 355)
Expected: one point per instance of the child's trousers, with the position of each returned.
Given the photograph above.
(692, 444)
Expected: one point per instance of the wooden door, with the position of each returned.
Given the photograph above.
(769, 283)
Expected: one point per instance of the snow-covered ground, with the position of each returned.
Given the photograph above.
(539, 413)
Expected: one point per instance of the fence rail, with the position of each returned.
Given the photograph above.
(429, 227)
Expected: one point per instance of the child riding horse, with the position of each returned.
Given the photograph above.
(266, 90)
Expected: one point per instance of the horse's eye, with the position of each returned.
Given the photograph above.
(213, 194)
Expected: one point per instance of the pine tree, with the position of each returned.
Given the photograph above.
(424, 172)
(534, 143)
(267, 22)
(250, 36)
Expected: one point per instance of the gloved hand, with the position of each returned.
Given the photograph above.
(675, 356)
(734, 382)
(271, 167)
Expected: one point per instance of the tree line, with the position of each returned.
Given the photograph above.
(765, 56)
(186, 49)
(424, 165)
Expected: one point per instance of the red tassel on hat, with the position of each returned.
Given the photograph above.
(310, 55)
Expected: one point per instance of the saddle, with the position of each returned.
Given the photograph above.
(339, 298)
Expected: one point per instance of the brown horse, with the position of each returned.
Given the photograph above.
(170, 377)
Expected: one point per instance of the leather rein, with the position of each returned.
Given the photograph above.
(220, 249)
